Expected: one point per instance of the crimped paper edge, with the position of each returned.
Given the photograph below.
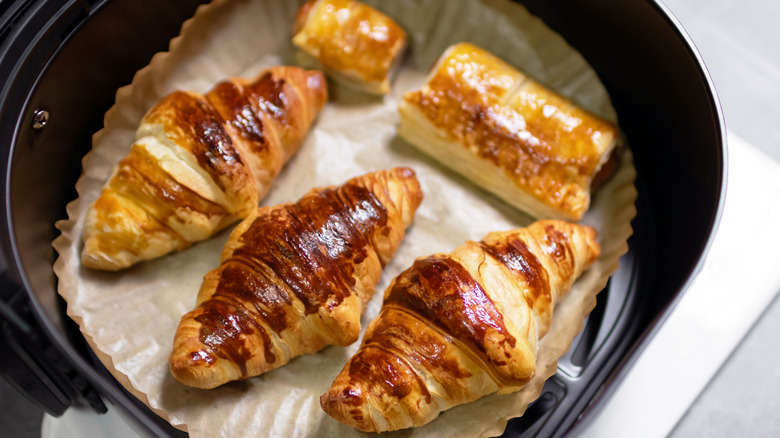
(68, 227)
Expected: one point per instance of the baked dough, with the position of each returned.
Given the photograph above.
(455, 327)
(294, 278)
(198, 164)
(354, 43)
(531, 147)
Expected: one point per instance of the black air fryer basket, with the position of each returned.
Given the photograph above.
(61, 63)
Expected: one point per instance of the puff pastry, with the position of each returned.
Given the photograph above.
(294, 278)
(529, 146)
(354, 43)
(455, 327)
(198, 164)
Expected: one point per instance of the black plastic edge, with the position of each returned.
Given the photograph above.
(623, 368)
(43, 48)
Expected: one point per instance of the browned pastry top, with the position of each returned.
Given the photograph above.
(238, 106)
(198, 163)
(516, 256)
(267, 105)
(327, 231)
(438, 291)
(294, 278)
(308, 250)
(547, 145)
(455, 327)
(249, 106)
(442, 291)
(350, 36)
(190, 121)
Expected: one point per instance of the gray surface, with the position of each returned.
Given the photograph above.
(742, 398)
(19, 418)
(738, 41)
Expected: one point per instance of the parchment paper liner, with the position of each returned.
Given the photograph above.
(129, 317)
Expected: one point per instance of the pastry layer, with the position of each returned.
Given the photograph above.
(354, 43)
(526, 144)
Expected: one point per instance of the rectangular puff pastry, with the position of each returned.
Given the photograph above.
(352, 42)
(526, 144)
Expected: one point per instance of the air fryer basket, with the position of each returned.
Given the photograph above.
(66, 61)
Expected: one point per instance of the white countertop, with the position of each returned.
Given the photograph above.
(739, 279)
(738, 40)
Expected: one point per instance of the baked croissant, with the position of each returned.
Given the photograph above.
(456, 327)
(353, 42)
(527, 145)
(198, 164)
(294, 278)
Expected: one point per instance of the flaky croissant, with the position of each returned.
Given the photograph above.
(456, 327)
(198, 164)
(294, 278)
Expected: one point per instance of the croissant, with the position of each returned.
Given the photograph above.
(527, 145)
(453, 328)
(198, 164)
(294, 278)
(353, 42)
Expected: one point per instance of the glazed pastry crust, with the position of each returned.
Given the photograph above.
(294, 278)
(198, 164)
(455, 327)
(354, 43)
(531, 147)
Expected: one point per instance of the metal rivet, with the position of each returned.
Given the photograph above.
(40, 117)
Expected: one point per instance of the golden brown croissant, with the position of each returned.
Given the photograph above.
(294, 278)
(351, 41)
(456, 327)
(198, 164)
(531, 147)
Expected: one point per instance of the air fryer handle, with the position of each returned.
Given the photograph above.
(23, 362)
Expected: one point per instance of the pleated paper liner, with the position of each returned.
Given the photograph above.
(129, 318)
